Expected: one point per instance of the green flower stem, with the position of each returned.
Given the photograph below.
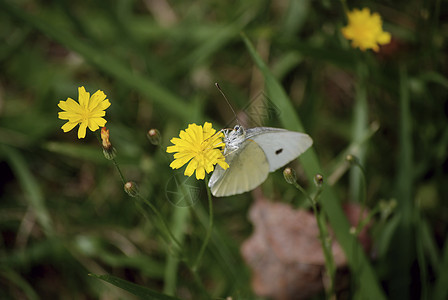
(324, 238)
(98, 136)
(363, 195)
(199, 284)
(362, 223)
(162, 220)
(147, 217)
(119, 171)
(210, 226)
(344, 6)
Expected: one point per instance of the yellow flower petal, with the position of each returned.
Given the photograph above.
(191, 167)
(181, 162)
(83, 97)
(82, 130)
(184, 154)
(176, 164)
(223, 164)
(171, 149)
(103, 105)
(384, 38)
(65, 115)
(68, 126)
(95, 123)
(200, 173)
(209, 167)
(70, 104)
(92, 125)
(96, 99)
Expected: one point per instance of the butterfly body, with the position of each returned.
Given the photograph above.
(252, 154)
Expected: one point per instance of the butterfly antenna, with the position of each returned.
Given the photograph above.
(222, 93)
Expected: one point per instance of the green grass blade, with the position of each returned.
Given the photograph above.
(368, 283)
(295, 17)
(135, 289)
(30, 188)
(441, 285)
(421, 257)
(430, 245)
(109, 64)
(216, 41)
(16, 279)
(435, 77)
(179, 222)
(76, 151)
(360, 123)
(400, 273)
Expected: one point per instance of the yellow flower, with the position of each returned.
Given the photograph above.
(365, 30)
(201, 147)
(87, 113)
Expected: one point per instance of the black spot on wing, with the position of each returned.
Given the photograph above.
(279, 151)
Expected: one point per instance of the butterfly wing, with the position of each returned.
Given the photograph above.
(248, 168)
(279, 145)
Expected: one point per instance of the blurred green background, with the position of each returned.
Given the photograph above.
(63, 211)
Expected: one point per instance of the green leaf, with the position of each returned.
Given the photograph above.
(133, 288)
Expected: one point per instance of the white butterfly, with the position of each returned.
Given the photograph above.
(252, 154)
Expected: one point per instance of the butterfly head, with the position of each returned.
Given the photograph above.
(234, 137)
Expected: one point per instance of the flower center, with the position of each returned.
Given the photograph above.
(85, 115)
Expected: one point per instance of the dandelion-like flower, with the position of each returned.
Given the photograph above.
(365, 30)
(87, 113)
(201, 147)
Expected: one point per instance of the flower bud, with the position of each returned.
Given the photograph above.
(110, 153)
(154, 136)
(351, 159)
(108, 150)
(318, 180)
(131, 188)
(105, 138)
(290, 175)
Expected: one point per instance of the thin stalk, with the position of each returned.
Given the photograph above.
(210, 226)
(162, 220)
(119, 171)
(344, 6)
(363, 199)
(199, 284)
(362, 223)
(324, 238)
